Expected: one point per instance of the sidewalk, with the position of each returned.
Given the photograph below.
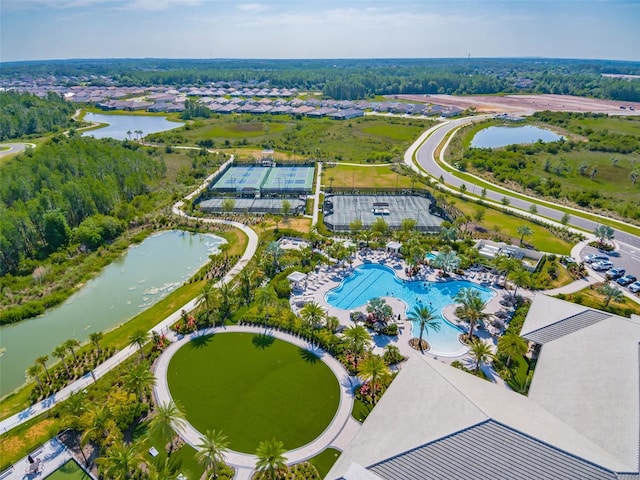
(162, 327)
(338, 433)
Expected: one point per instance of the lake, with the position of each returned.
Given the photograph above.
(146, 273)
(493, 137)
(119, 125)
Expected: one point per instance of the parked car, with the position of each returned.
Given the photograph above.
(634, 287)
(616, 273)
(595, 257)
(627, 279)
(602, 265)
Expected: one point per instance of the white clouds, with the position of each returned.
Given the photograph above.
(253, 7)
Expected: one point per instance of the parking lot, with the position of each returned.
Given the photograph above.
(626, 256)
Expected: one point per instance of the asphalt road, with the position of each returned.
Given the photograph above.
(14, 148)
(425, 157)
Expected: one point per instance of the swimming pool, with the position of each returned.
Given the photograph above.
(373, 280)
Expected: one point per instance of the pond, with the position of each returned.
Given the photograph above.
(127, 286)
(119, 125)
(371, 281)
(493, 137)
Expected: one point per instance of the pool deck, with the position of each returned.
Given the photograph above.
(327, 278)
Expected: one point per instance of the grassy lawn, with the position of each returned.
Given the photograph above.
(379, 176)
(356, 140)
(253, 388)
(119, 337)
(591, 298)
(508, 224)
(360, 410)
(325, 460)
(69, 471)
(183, 458)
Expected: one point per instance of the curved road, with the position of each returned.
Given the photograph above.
(425, 155)
(14, 148)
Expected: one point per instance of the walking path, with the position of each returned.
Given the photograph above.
(337, 434)
(14, 148)
(162, 327)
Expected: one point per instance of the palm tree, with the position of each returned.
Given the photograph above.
(520, 278)
(266, 297)
(121, 461)
(471, 308)
(166, 419)
(480, 352)
(246, 283)
(271, 458)
(223, 296)
(42, 361)
(446, 261)
(512, 345)
(34, 372)
(312, 314)
(506, 265)
(139, 338)
(610, 292)
(357, 338)
(374, 370)
(95, 338)
(211, 451)
(72, 410)
(71, 345)
(426, 317)
(61, 353)
(99, 422)
(129, 134)
(524, 231)
(206, 299)
(138, 380)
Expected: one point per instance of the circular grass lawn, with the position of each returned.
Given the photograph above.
(253, 388)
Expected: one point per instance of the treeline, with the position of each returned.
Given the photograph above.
(359, 78)
(68, 191)
(26, 114)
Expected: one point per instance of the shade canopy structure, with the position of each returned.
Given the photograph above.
(296, 278)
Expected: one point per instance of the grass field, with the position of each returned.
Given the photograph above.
(381, 176)
(325, 460)
(253, 388)
(69, 471)
(594, 299)
(364, 139)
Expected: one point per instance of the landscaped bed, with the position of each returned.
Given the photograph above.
(253, 388)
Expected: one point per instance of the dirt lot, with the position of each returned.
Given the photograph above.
(527, 104)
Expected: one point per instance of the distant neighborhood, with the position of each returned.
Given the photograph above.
(223, 98)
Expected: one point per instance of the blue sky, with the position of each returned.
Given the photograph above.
(55, 29)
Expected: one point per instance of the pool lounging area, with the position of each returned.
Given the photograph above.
(373, 280)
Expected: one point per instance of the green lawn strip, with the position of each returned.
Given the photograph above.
(593, 299)
(4, 148)
(183, 458)
(325, 460)
(253, 388)
(507, 224)
(69, 471)
(360, 410)
(119, 337)
(379, 176)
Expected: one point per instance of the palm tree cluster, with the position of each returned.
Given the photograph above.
(471, 309)
(72, 365)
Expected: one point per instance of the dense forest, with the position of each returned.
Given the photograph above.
(68, 191)
(356, 79)
(25, 114)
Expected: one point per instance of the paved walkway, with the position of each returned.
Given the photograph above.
(162, 327)
(337, 435)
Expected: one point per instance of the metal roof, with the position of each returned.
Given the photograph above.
(488, 450)
(566, 326)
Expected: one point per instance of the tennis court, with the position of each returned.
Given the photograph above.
(264, 181)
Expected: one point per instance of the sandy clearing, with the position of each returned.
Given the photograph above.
(527, 104)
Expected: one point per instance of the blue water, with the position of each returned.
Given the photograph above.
(493, 137)
(373, 280)
(119, 125)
